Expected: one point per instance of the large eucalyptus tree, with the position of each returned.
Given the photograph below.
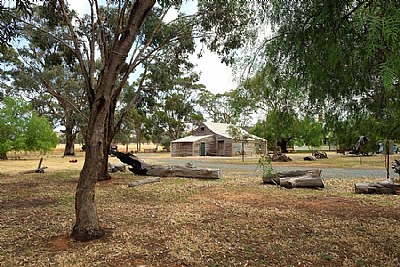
(48, 75)
(114, 41)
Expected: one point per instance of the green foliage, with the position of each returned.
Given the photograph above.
(312, 133)
(21, 129)
(39, 134)
(265, 163)
(340, 58)
(228, 24)
(219, 107)
(9, 14)
(165, 142)
(346, 132)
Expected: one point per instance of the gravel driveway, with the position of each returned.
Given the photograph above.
(327, 173)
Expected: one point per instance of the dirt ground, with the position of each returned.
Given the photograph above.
(233, 221)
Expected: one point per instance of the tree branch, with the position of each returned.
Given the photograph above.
(131, 103)
(78, 54)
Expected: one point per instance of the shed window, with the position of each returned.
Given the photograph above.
(202, 128)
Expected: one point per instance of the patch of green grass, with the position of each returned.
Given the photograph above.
(65, 200)
(359, 263)
(66, 174)
(325, 256)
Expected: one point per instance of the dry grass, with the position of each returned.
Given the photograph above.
(234, 221)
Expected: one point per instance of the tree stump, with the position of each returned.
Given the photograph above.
(297, 179)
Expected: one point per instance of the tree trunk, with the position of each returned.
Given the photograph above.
(69, 149)
(284, 148)
(103, 96)
(283, 144)
(87, 226)
(70, 134)
(3, 156)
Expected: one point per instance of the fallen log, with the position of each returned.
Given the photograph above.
(280, 157)
(271, 179)
(303, 179)
(39, 169)
(116, 167)
(320, 155)
(182, 171)
(189, 171)
(133, 161)
(384, 187)
(396, 166)
(144, 181)
(297, 179)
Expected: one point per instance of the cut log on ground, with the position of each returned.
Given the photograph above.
(144, 181)
(182, 171)
(384, 187)
(189, 171)
(297, 179)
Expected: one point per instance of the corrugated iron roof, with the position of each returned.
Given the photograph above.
(190, 139)
(219, 128)
(223, 130)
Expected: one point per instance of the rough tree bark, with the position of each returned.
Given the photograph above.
(70, 135)
(283, 143)
(87, 226)
(69, 149)
(102, 100)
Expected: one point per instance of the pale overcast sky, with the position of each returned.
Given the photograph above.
(216, 76)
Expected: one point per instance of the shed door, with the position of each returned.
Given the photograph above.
(221, 148)
(202, 149)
